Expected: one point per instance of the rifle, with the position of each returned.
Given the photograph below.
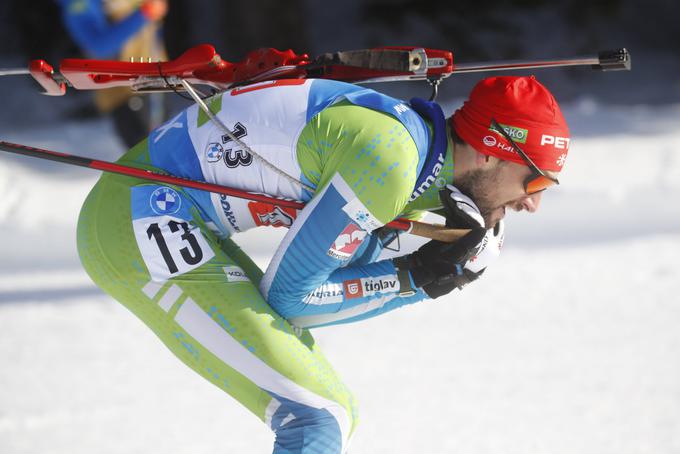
(202, 65)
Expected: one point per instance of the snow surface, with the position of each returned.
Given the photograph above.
(569, 344)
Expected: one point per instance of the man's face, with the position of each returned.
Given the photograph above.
(496, 187)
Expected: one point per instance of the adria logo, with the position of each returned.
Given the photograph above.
(325, 296)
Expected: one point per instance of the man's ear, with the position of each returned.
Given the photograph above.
(481, 160)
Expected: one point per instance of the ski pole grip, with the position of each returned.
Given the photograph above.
(614, 60)
(437, 232)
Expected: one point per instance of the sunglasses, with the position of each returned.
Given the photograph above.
(537, 181)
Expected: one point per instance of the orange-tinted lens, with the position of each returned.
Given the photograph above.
(538, 183)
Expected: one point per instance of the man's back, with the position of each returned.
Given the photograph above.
(308, 131)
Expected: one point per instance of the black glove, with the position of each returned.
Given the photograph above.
(459, 210)
(438, 267)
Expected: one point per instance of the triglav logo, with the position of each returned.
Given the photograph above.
(358, 288)
(353, 289)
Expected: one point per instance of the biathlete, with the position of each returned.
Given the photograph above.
(359, 159)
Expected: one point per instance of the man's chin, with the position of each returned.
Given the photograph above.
(492, 218)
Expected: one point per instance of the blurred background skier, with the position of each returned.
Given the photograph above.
(121, 30)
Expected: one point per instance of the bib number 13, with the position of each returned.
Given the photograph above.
(173, 248)
(192, 254)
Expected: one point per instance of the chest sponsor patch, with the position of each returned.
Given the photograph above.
(353, 288)
(228, 212)
(359, 288)
(272, 215)
(358, 212)
(235, 274)
(346, 244)
(327, 294)
(214, 152)
(165, 200)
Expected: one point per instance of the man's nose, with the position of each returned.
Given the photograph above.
(529, 203)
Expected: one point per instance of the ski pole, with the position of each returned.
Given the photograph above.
(432, 231)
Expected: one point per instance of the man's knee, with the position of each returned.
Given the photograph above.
(303, 429)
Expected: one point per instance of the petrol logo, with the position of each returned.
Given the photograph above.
(558, 142)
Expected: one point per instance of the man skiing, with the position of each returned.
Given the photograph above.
(359, 159)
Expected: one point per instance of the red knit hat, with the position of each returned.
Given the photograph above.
(526, 110)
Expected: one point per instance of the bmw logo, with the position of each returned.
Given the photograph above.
(165, 200)
(214, 152)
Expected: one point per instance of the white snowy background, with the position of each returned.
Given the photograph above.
(570, 343)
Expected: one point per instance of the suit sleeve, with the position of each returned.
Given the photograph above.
(365, 180)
